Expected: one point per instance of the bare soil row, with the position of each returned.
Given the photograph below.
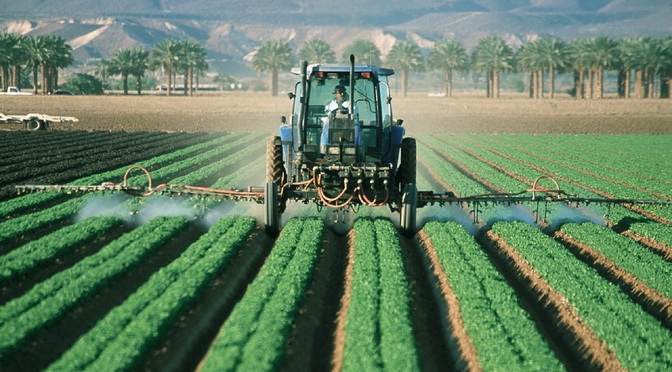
(258, 111)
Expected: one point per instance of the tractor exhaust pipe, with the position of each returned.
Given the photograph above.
(351, 105)
(302, 110)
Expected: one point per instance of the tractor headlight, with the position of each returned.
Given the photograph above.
(333, 150)
(350, 150)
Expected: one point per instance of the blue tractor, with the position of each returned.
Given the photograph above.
(341, 155)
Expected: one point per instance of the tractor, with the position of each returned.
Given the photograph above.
(341, 156)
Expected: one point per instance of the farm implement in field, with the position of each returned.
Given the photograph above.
(36, 121)
(342, 149)
(405, 203)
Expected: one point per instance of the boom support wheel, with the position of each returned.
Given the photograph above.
(409, 206)
(272, 209)
(34, 124)
(406, 173)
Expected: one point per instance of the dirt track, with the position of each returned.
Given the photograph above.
(259, 112)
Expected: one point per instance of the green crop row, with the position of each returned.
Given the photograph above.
(30, 255)
(639, 341)
(565, 154)
(558, 167)
(164, 174)
(378, 327)
(15, 227)
(624, 252)
(645, 155)
(32, 200)
(253, 337)
(614, 213)
(119, 340)
(51, 298)
(31, 222)
(503, 334)
(484, 171)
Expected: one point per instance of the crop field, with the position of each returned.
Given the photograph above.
(115, 282)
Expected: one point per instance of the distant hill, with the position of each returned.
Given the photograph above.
(232, 30)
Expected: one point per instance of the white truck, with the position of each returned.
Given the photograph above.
(36, 121)
(14, 91)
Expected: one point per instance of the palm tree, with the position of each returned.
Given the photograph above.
(18, 57)
(192, 57)
(140, 64)
(364, 50)
(528, 58)
(59, 57)
(448, 56)
(405, 56)
(492, 56)
(6, 45)
(37, 50)
(602, 54)
(554, 54)
(123, 63)
(274, 55)
(579, 59)
(102, 71)
(165, 56)
(317, 51)
(652, 57)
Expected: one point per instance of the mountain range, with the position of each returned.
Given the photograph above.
(231, 30)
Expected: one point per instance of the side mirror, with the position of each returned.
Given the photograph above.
(283, 119)
(291, 95)
(388, 100)
(399, 122)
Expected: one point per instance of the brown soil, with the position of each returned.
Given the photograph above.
(258, 111)
(585, 345)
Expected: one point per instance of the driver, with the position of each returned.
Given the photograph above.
(340, 100)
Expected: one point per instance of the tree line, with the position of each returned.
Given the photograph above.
(647, 59)
(46, 54)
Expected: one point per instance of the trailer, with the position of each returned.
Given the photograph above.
(36, 121)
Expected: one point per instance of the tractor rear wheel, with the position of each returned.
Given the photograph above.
(275, 165)
(409, 205)
(407, 166)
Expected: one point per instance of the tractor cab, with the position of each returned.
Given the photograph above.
(340, 116)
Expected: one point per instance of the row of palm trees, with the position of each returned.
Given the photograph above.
(650, 59)
(44, 55)
(173, 57)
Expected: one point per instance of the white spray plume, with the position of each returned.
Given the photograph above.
(567, 214)
(451, 212)
(512, 213)
(110, 205)
(163, 207)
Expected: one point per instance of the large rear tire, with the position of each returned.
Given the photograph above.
(272, 209)
(275, 165)
(406, 173)
(409, 205)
